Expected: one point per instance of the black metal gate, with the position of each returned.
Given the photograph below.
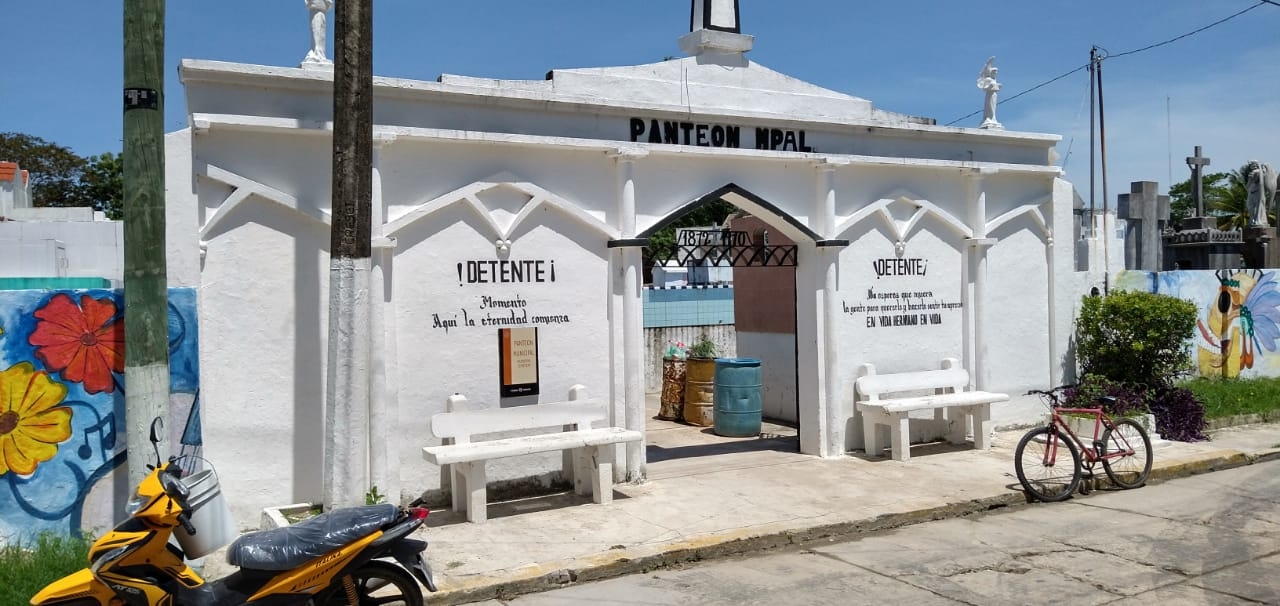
(722, 248)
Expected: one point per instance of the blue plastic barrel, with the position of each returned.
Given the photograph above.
(738, 405)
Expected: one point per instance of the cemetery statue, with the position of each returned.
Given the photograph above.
(1261, 188)
(987, 82)
(319, 15)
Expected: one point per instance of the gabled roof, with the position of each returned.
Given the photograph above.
(9, 169)
(708, 84)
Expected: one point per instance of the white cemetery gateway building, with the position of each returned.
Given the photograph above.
(526, 204)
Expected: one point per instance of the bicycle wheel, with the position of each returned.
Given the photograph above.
(376, 583)
(1128, 471)
(1045, 479)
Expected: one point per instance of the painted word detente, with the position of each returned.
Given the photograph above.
(715, 135)
(506, 272)
(899, 267)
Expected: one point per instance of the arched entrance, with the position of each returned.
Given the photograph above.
(730, 277)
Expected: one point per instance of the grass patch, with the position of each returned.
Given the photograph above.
(1230, 397)
(26, 569)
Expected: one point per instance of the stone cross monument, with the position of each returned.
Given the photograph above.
(1199, 221)
(1145, 214)
(715, 26)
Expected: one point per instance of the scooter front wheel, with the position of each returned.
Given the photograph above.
(376, 582)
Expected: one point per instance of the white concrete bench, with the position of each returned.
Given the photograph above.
(566, 427)
(876, 404)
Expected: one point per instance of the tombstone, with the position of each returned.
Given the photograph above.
(1197, 243)
(1260, 249)
(1145, 213)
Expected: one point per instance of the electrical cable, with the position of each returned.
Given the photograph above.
(1110, 56)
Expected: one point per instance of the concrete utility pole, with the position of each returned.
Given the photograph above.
(347, 397)
(146, 295)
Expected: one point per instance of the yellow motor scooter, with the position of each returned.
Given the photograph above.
(350, 557)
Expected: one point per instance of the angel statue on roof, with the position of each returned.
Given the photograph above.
(319, 17)
(987, 82)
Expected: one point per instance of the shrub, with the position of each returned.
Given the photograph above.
(1135, 337)
(1179, 414)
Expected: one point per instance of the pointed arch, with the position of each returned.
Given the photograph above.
(746, 200)
(902, 229)
(244, 190)
(1033, 209)
(471, 197)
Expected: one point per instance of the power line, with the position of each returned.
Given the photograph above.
(1132, 52)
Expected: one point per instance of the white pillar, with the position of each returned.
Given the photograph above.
(832, 419)
(632, 311)
(975, 278)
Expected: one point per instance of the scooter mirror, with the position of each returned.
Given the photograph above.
(157, 426)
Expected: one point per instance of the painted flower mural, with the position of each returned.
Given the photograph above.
(32, 423)
(84, 342)
(62, 406)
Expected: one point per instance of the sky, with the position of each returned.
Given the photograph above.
(1219, 88)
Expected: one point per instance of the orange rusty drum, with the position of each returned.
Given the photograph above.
(673, 373)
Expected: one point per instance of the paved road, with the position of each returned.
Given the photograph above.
(1208, 539)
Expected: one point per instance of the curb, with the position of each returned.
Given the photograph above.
(631, 560)
(1271, 416)
(547, 576)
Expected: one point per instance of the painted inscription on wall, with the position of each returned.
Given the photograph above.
(697, 134)
(506, 271)
(489, 311)
(901, 303)
(509, 309)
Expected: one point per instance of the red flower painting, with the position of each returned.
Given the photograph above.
(84, 342)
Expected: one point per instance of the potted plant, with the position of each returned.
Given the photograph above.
(699, 389)
(673, 377)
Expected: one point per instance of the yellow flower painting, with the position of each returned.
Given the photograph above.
(32, 423)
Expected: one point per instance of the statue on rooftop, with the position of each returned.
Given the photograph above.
(319, 17)
(1261, 187)
(987, 82)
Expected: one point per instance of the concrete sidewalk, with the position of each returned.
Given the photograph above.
(708, 496)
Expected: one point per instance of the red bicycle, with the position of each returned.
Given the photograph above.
(1048, 459)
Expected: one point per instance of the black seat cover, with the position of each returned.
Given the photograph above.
(292, 546)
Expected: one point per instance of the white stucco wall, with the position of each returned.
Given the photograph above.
(77, 249)
(472, 170)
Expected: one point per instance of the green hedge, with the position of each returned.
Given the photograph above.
(1135, 337)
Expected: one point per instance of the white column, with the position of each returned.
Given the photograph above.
(831, 402)
(975, 279)
(384, 441)
(632, 312)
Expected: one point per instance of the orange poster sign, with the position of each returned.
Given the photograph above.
(518, 361)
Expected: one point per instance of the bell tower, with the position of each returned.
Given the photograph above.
(715, 26)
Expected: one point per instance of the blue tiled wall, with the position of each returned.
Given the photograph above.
(687, 306)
